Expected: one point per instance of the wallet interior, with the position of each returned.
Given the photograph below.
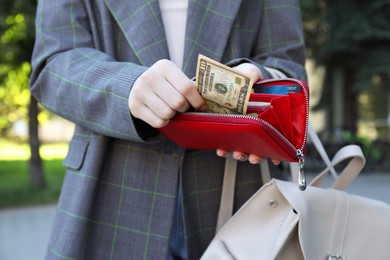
(287, 113)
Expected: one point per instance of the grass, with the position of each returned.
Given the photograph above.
(15, 189)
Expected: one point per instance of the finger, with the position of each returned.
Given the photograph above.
(240, 156)
(159, 107)
(142, 105)
(275, 162)
(222, 153)
(147, 115)
(144, 97)
(254, 159)
(185, 87)
(250, 69)
(172, 97)
(165, 91)
(189, 91)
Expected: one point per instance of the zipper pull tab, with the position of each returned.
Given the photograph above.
(301, 174)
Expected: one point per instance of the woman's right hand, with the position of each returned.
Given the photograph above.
(160, 92)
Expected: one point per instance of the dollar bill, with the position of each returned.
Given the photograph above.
(225, 90)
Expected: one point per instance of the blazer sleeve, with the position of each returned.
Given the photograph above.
(280, 40)
(75, 80)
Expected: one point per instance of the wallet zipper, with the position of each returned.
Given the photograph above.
(299, 152)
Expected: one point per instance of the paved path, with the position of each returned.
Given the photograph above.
(24, 232)
(375, 186)
(371, 185)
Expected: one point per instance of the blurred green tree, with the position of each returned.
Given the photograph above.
(351, 38)
(17, 19)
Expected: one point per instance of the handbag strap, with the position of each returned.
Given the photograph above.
(227, 195)
(320, 148)
(350, 172)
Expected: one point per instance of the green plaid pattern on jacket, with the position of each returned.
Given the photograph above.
(118, 195)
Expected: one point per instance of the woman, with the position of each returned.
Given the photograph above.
(119, 70)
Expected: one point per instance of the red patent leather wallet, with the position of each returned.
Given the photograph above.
(278, 132)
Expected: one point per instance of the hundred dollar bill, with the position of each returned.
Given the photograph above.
(225, 90)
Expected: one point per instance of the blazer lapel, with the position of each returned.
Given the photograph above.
(142, 25)
(209, 24)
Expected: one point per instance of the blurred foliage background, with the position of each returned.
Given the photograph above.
(16, 43)
(347, 41)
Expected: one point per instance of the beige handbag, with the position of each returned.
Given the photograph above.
(282, 222)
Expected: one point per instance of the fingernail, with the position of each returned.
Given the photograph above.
(238, 157)
(275, 162)
(256, 161)
(221, 154)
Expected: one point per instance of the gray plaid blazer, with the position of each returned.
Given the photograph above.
(119, 191)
